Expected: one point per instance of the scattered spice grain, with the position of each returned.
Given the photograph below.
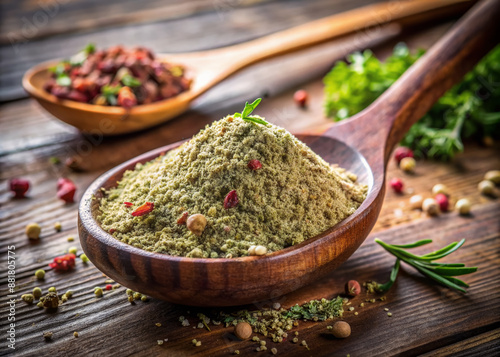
(19, 187)
(48, 336)
(463, 206)
(40, 274)
(37, 292)
(493, 176)
(352, 288)
(408, 164)
(28, 298)
(341, 329)
(58, 226)
(33, 231)
(243, 330)
(486, 187)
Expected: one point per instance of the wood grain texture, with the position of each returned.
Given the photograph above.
(428, 319)
(233, 24)
(425, 316)
(66, 17)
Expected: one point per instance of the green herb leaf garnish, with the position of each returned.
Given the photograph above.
(59, 68)
(443, 273)
(468, 109)
(249, 108)
(90, 48)
(63, 80)
(107, 89)
(130, 81)
(80, 57)
(110, 93)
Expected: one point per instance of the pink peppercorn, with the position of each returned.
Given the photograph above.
(19, 187)
(442, 201)
(402, 152)
(66, 191)
(300, 97)
(397, 185)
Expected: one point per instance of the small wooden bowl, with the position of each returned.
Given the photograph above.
(237, 281)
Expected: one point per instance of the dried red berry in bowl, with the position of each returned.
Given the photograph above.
(231, 200)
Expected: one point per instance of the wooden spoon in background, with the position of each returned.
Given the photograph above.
(208, 68)
(361, 144)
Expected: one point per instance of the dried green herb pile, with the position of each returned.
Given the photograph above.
(253, 183)
(276, 323)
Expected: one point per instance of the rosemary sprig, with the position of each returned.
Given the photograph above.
(443, 273)
(249, 108)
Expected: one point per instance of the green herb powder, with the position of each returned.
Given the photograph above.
(294, 196)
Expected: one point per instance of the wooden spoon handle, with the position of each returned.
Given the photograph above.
(337, 25)
(430, 77)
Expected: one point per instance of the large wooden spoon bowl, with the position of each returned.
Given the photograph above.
(207, 68)
(362, 144)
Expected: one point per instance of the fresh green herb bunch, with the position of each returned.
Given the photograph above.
(249, 108)
(471, 108)
(443, 273)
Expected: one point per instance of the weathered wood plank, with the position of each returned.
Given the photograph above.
(30, 20)
(481, 345)
(183, 34)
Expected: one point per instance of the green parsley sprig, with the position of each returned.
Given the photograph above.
(249, 108)
(110, 93)
(471, 108)
(443, 273)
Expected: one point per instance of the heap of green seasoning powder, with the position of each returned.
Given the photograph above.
(254, 183)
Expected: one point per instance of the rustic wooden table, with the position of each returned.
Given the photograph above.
(427, 319)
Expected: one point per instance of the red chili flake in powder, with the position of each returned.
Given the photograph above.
(183, 219)
(231, 199)
(63, 262)
(128, 204)
(109, 287)
(144, 209)
(254, 164)
(112, 230)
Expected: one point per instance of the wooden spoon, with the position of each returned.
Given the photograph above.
(361, 144)
(210, 67)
